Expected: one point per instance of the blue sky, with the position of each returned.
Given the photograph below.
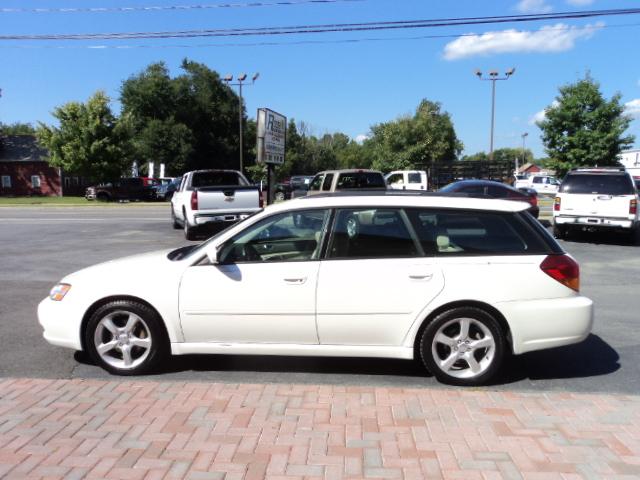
(335, 86)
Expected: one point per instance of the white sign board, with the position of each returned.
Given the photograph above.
(272, 134)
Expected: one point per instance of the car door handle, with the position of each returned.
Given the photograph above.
(295, 281)
(421, 276)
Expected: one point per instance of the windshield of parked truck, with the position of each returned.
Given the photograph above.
(598, 183)
(215, 179)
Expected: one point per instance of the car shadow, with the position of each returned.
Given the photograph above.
(591, 358)
(603, 238)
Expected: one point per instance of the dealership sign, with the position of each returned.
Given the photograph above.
(272, 134)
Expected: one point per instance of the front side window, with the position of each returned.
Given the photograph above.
(35, 181)
(6, 181)
(395, 179)
(316, 183)
(371, 233)
(285, 237)
(451, 232)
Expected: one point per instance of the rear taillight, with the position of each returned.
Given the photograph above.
(556, 204)
(633, 207)
(194, 200)
(564, 269)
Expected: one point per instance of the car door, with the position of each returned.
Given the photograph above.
(375, 280)
(264, 288)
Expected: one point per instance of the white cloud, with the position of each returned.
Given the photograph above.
(361, 138)
(580, 3)
(533, 6)
(549, 39)
(633, 108)
(541, 115)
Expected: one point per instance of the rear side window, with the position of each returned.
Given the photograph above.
(328, 179)
(454, 233)
(598, 184)
(415, 178)
(371, 233)
(360, 180)
(215, 179)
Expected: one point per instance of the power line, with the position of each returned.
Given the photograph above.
(326, 28)
(159, 8)
(306, 42)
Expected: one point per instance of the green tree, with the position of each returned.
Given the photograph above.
(89, 140)
(17, 128)
(414, 141)
(582, 128)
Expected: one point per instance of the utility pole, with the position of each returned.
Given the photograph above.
(494, 76)
(241, 78)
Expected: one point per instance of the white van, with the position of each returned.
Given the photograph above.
(407, 180)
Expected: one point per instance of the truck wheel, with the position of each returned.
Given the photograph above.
(279, 196)
(189, 232)
(103, 197)
(174, 220)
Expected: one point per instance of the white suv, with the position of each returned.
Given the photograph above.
(596, 198)
(455, 282)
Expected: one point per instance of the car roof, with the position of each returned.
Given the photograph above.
(400, 198)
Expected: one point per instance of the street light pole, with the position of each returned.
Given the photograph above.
(524, 135)
(494, 76)
(241, 78)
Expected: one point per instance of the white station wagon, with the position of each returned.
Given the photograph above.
(455, 282)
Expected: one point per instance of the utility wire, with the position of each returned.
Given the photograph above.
(327, 28)
(308, 42)
(159, 8)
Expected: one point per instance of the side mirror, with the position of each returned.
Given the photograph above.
(212, 254)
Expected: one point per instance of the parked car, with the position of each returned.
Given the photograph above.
(134, 188)
(541, 183)
(212, 198)
(596, 199)
(407, 180)
(296, 186)
(166, 189)
(455, 282)
(347, 180)
(489, 188)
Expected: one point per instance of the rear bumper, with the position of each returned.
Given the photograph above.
(220, 217)
(594, 221)
(541, 324)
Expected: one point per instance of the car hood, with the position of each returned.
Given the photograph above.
(126, 269)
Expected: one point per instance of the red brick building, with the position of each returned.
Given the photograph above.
(24, 169)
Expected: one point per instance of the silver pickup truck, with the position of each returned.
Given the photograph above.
(210, 198)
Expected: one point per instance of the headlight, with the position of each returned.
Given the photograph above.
(58, 292)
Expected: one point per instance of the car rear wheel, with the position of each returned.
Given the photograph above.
(126, 338)
(279, 196)
(463, 346)
(189, 232)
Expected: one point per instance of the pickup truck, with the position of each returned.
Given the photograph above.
(540, 183)
(212, 198)
(407, 180)
(134, 188)
(331, 181)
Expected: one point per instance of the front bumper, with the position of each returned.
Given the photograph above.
(61, 323)
(593, 221)
(541, 324)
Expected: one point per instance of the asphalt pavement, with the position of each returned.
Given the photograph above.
(41, 245)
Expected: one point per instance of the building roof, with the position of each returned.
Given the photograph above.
(21, 148)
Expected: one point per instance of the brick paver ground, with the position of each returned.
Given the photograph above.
(150, 430)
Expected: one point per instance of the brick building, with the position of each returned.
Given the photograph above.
(24, 169)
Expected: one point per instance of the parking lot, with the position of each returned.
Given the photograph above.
(41, 245)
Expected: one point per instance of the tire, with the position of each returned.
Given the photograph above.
(450, 355)
(174, 220)
(103, 197)
(560, 232)
(279, 196)
(189, 232)
(118, 325)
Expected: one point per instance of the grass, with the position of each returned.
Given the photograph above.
(63, 202)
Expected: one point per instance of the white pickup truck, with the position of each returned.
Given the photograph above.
(540, 183)
(208, 198)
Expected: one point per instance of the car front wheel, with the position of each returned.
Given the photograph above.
(126, 338)
(463, 346)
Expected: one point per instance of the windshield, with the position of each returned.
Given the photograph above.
(215, 179)
(598, 184)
